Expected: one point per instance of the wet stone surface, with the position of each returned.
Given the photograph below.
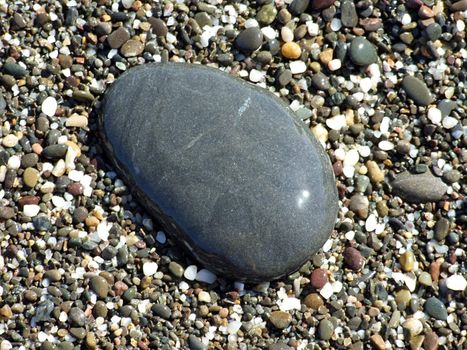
(251, 200)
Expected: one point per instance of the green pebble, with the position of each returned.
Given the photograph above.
(436, 309)
(417, 90)
(326, 329)
(425, 279)
(362, 52)
(176, 269)
(266, 14)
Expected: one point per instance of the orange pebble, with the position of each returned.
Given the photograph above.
(291, 50)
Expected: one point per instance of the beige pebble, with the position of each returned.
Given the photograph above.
(374, 172)
(76, 121)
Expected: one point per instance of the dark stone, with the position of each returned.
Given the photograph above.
(249, 40)
(349, 15)
(158, 26)
(55, 151)
(436, 309)
(297, 7)
(2, 104)
(118, 37)
(417, 90)
(195, 343)
(248, 190)
(418, 188)
(161, 310)
(321, 81)
(322, 4)
(362, 52)
(15, 70)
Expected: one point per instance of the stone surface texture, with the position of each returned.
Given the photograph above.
(224, 167)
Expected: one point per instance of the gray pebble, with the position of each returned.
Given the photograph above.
(436, 309)
(417, 90)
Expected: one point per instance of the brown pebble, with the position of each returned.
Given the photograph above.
(322, 4)
(28, 200)
(326, 56)
(5, 312)
(431, 341)
(319, 278)
(378, 342)
(313, 301)
(158, 26)
(353, 258)
(435, 267)
(425, 12)
(375, 174)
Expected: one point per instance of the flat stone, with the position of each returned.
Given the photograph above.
(132, 48)
(100, 286)
(266, 14)
(158, 26)
(418, 188)
(362, 52)
(242, 185)
(417, 90)
(325, 329)
(2, 104)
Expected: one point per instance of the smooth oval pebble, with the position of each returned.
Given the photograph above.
(223, 165)
(362, 52)
(417, 90)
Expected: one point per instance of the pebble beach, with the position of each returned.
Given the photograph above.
(381, 84)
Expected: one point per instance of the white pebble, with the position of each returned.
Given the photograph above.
(456, 282)
(334, 64)
(233, 327)
(190, 272)
(385, 145)
(204, 297)
(205, 276)
(286, 34)
(76, 175)
(449, 122)
(31, 210)
(366, 84)
(406, 19)
(127, 3)
(336, 24)
(339, 154)
(256, 76)
(14, 162)
(150, 268)
(349, 171)
(269, 32)
(364, 151)
(370, 223)
(351, 157)
(434, 114)
(5, 345)
(327, 291)
(49, 106)
(337, 122)
(10, 140)
(297, 67)
(313, 28)
(251, 23)
(288, 304)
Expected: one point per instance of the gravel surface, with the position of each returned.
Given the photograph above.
(381, 84)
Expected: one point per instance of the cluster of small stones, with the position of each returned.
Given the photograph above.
(380, 83)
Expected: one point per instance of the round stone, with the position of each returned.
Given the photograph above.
(244, 186)
(249, 40)
(362, 52)
(353, 258)
(291, 50)
(266, 14)
(319, 278)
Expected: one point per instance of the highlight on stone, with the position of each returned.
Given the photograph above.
(223, 165)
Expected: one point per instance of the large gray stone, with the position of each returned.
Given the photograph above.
(223, 166)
